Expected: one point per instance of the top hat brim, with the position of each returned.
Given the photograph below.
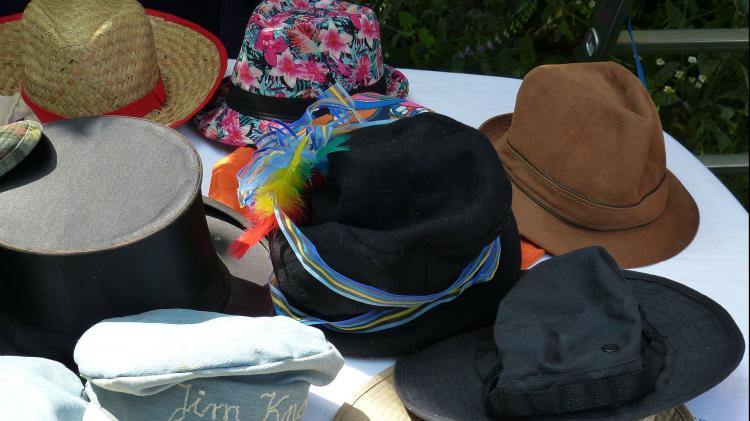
(250, 128)
(441, 382)
(249, 292)
(651, 243)
(192, 62)
(378, 401)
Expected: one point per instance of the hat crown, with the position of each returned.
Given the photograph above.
(87, 57)
(585, 326)
(413, 202)
(592, 129)
(101, 219)
(297, 49)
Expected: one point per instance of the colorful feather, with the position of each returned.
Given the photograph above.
(284, 187)
(289, 159)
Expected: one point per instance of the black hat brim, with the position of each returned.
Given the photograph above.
(703, 343)
(249, 292)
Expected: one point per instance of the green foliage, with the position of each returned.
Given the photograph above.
(702, 100)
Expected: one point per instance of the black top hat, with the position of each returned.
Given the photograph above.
(577, 339)
(413, 206)
(105, 218)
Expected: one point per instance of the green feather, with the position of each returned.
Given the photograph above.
(334, 145)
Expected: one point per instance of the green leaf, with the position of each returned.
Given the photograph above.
(526, 49)
(425, 37)
(675, 16)
(565, 30)
(726, 113)
(723, 140)
(406, 19)
(666, 72)
(741, 6)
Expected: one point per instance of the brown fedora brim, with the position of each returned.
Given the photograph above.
(657, 241)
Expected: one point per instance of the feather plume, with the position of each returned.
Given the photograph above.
(261, 227)
(284, 187)
(289, 161)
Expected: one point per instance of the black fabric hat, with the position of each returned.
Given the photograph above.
(405, 211)
(577, 339)
(105, 218)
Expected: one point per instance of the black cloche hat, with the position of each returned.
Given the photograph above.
(577, 339)
(105, 218)
(413, 206)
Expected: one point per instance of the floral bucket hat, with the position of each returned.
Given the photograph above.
(292, 52)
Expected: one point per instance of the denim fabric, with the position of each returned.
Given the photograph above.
(228, 399)
(37, 389)
(192, 365)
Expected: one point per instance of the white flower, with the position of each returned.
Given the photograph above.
(668, 89)
(592, 3)
(679, 74)
(692, 60)
(698, 85)
(691, 79)
(702, 78)
(659, 61)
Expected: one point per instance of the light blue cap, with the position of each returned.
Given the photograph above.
(180, 365)
(37, 389)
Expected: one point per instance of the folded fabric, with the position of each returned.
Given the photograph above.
(16, 142)
(37, 389)
(182, 364)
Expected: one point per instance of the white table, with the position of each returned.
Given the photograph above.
(716, 263)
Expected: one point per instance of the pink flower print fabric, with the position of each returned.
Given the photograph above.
(297, 49)
(300, 47)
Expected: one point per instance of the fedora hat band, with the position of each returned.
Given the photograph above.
(285, 109)
(154, 99)
(574, 208)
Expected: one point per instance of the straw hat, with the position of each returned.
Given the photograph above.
(377, 400)
(75, 58)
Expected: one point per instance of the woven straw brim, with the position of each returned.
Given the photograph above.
(377, 401)
(191, 60)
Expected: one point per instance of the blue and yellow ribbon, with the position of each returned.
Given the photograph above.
(397, 309)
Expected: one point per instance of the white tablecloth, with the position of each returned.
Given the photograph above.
(716, 263)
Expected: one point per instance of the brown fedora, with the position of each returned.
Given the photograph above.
(585, 153)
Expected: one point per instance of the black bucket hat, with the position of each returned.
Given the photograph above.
(577, 339)
(105, 218)
(410, 209)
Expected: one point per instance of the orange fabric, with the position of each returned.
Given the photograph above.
(530, 254)
(224, 184)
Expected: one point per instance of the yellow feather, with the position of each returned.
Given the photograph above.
(284, 186)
